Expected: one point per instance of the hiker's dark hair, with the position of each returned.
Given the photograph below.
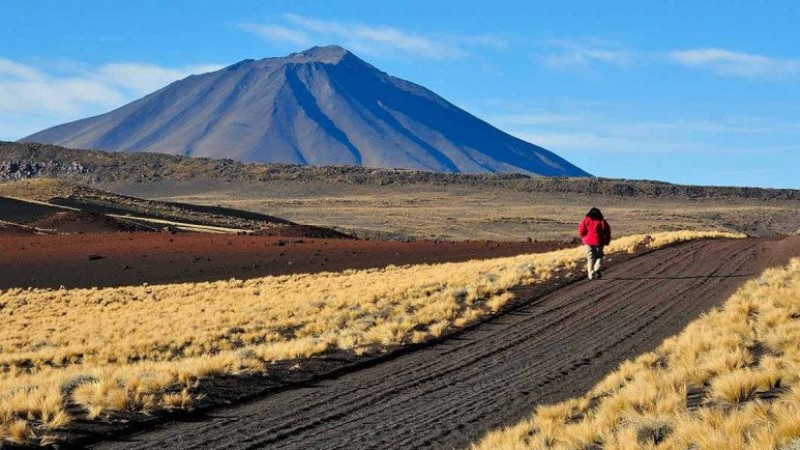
(595, 214)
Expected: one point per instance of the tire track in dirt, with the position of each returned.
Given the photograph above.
(447, 395)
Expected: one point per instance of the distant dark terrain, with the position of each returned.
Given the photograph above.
(30, 160)
(411, 204)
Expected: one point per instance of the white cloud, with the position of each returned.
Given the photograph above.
(580, 54)
(616, 135)
(279, 33)
(567, 54)
(11, 70)
(597, 142)
(585, 129)
(737, 64)
(141, 79)
(34, 98)
(29, 91)
(374, 40)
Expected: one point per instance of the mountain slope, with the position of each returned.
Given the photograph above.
(321, 106)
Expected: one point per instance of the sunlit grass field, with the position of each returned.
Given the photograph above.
(730, 380)
(144, 348)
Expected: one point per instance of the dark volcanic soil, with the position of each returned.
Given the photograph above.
(448, 395)
(88, 210)
(14, 229)
(118, 259)
(12, 210)
(84, 222)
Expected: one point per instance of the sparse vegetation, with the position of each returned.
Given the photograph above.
(144, 348)
(730, 380)
(401, 204)
(457, 212)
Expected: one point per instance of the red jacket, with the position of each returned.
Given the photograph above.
(594, 232)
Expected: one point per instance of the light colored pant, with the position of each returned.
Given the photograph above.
(594, 258)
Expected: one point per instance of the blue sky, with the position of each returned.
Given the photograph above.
(686, 92)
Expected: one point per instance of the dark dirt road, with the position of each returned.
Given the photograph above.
(448, 395)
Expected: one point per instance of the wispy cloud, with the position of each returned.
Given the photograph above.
(140, 79)
(585, 142)
(11, 69)
(569, 54)
(586, 129)
(737, 64)
(279, 33)
(33, 96)
(710, 151)
(566, 54)
(28, 90)
(374, 40)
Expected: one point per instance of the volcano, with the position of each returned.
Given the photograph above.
(322, 106)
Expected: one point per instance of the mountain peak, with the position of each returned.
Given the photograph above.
(330, 54)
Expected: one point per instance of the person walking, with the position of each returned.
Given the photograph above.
(596, 234)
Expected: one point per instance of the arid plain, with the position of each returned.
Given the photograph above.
(432, 211)
(142, 312)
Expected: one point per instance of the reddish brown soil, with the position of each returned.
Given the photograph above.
(116, 259)
(447, 395)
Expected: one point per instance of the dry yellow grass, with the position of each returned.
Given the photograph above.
(143, 348)
(739, 365)
(40, 189)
